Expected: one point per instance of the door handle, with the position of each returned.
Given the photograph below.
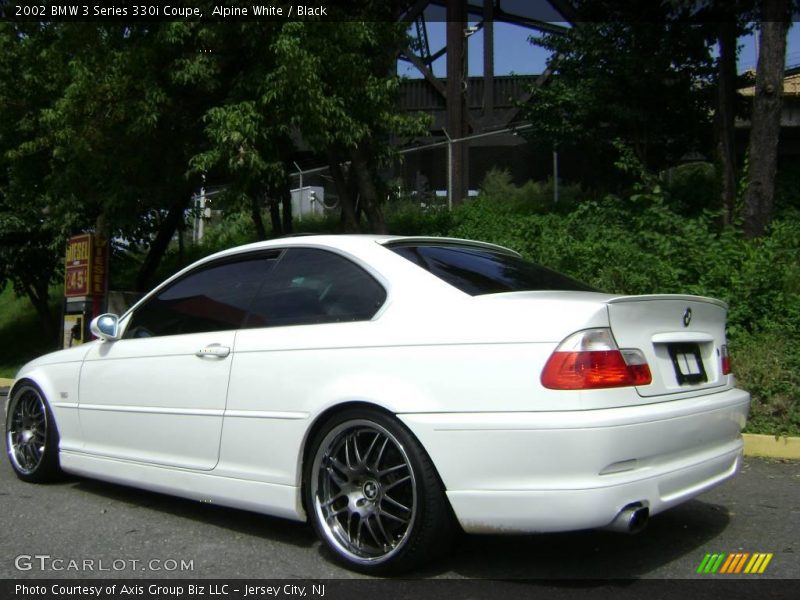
(217, 350)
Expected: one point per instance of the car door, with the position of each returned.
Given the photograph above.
(158, 394)
(312, 302)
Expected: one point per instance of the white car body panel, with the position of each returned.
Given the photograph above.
(579, 469)
(461, 372)
(167, 403)
(202, 486)
(57, 374)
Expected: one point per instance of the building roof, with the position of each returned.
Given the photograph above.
(791, 86)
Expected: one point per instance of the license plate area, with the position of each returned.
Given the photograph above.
(688, 363)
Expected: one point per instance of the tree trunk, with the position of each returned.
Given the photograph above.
(258, 222)
(275, 216)
(726, 114)
(286, 202)
(346, 203)
(161, 242)
(766, 121)
(367, 190)
(39, 296)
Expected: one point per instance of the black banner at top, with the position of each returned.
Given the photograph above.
(199, 10)
(524, 12)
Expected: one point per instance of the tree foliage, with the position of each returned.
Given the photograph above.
(30, 239)
(339, 84)
(660, 79)
(642, 75)
(111, 126)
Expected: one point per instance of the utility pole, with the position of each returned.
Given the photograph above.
(456, 96)
(488, 60)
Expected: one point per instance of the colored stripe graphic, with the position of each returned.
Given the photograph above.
(704, 564)
(734, 564)
(758, 564)
(710, 563)
(732, 558)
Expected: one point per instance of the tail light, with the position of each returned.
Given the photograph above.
(590, 359)
(726, 360)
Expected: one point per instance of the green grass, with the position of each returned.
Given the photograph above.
(21, 334)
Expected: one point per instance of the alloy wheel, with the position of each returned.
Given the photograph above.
(26, 431)
(364, 491)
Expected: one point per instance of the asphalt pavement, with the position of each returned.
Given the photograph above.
(81, 528)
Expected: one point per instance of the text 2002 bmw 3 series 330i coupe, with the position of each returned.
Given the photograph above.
(390, 389)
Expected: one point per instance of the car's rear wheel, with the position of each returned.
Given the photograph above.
(373, 494)
(31, 436)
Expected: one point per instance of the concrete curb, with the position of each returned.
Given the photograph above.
(770, 446)
(755, 444)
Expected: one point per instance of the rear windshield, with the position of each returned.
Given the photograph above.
(478, 271)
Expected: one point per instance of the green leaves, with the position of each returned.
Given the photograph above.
(639, 245)
(642, 75)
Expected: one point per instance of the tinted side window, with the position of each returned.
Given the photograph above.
(476, 271)
(214, 298)
(315, 286)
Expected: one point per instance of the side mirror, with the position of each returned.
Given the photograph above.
(105, 327)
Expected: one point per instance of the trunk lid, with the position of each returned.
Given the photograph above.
(680, 336)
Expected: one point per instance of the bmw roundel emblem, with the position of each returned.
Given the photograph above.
(687, 317)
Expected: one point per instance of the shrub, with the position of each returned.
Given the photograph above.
(691, 188)
(640, 246)
(767, 364)
(535, 197)
(234, 229)
(406, 217)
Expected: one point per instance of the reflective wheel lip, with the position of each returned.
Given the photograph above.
(332, 436)
(11, 445)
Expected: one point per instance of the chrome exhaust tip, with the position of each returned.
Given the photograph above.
(631, 519)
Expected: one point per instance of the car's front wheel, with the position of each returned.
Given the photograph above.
(31, 436)
(373, 494)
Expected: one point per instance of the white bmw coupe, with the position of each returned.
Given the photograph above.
(392, 389)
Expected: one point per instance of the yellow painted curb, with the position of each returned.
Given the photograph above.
(5, 382)
(768, 446)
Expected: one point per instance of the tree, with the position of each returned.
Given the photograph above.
(32, 238)
(108, 134)
(766, 120)
(729, 20)
(30, 253)
(636, 72)
(126, 126)
(325, 89)
(336, 84)
(247, 144)
(110, 126)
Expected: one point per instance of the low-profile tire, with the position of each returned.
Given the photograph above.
(32, 436)
(373, 494)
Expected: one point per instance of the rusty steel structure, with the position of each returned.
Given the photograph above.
(538, 15)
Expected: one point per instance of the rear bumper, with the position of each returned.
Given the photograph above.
(561, 471)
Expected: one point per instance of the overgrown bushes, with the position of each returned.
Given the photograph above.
(767, 364)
